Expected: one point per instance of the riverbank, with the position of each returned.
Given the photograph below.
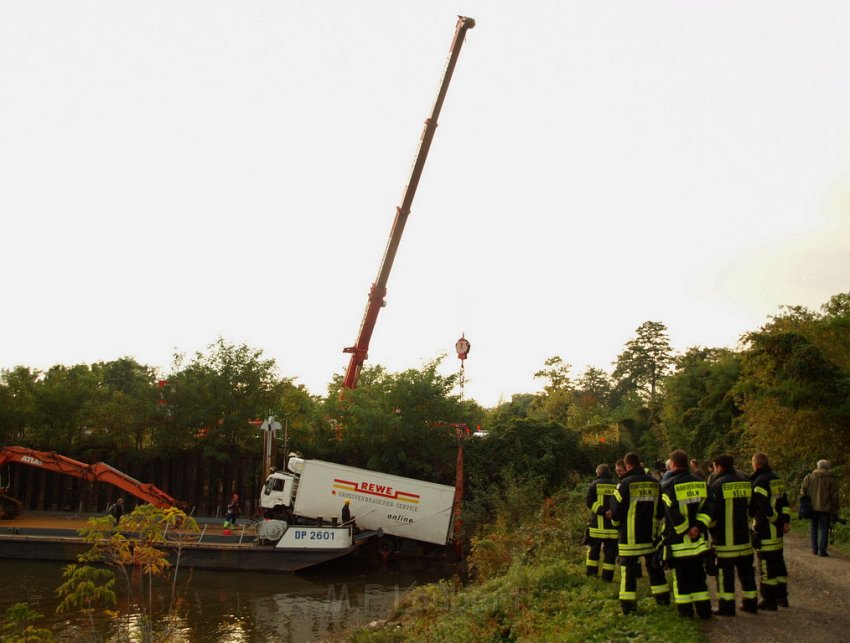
(531, 586)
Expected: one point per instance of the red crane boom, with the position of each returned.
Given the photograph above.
(360, 350)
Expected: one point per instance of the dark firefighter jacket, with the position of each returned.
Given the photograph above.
(684, 496)
(636, 508)
(769, 509)
(598, 500)
(729, 502)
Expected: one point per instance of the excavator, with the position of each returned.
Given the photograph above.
(98, 472)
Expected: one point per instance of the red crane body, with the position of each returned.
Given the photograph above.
(98, 472)
(360, 350)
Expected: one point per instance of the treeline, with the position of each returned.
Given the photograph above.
(193, 431)
(784, 390)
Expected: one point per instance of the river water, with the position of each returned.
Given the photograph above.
(231, 607)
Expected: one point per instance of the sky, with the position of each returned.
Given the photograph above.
(175, 172)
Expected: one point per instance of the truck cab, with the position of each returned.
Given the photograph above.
(278, 495)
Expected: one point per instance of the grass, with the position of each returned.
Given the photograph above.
(529, 585)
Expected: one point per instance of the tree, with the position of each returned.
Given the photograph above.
(699, 410)
(591, 399)
(212, 398)
(141, 542)
(642, 366)
(123, 409)
(398, 423)
(18, 627)
(795, 399)
(554, 404)
(17, 403)
(61, 399)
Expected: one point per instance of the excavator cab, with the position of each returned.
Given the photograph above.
(9, 507)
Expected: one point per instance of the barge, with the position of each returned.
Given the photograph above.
(275, 547)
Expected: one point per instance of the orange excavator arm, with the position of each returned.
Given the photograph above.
(97, 472)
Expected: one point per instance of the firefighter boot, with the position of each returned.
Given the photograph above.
(749, 605)
(703, 609)
(725, 608)
(686, 610)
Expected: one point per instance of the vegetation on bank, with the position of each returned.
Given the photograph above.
(528, 583)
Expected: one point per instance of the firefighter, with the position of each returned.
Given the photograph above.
(684, 496)
(635, 511)
(602, 535)
(771, 520)
(729, 498)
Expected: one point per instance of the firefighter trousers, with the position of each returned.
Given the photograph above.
(629, 570)
(726, 569)
(690, 590)
(773, 576)
(608, 548)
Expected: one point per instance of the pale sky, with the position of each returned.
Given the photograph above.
(172, 172)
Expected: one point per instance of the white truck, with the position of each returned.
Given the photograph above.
(314, 490)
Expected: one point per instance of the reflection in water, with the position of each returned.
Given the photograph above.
(235, 607)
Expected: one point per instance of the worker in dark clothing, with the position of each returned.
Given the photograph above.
(346, 512)
(771, 520)
(729, 497)
(635, 511)
(684, 496)
(620, 469)
(602, 534)
(116, 509)
(233, 512)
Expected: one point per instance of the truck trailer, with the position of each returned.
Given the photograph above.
(316, 491)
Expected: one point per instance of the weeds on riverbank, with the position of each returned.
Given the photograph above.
(529, 585)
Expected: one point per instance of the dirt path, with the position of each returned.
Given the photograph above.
(819, 595)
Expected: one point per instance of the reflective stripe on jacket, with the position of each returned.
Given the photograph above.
(636, 508)
(684, 497)
(769, 509)
(728, 505)
(598, 500)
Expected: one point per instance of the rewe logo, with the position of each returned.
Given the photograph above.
(372, 489)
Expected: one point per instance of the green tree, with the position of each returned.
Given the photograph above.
(211, 399)
(519, 406)
(591, 400)
(17, 403)
(18, 626)
(398, 423)
(523, 457)
(699, 409)
(122, 410)
(641, 367)
(795, 399)
(639, 374)
(554, 404)
(142, 541)
(62, 396)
